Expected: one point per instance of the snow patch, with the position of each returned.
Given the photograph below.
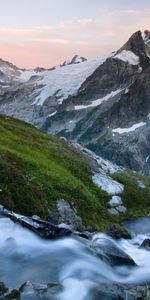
(99, 101)
(128, 56)
(129, 129)
(27, 74)
(126, 91)
(62, 82)
(52, 114)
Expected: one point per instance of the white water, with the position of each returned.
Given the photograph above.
(69, 261)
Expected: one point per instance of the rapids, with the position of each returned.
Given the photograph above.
(71, 261)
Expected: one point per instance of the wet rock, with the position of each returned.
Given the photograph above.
(108, 251)
(146, 244)
(85, 234)
(121, 292)
(43, 228)
(36, 217)
(32, 291)
(117, 232)
(3, 288)
(29, 287)
(13, 295)
(69, 216)
(53, 290)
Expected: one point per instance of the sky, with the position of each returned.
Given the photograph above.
(46, 32)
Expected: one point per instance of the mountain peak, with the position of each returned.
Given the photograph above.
(75, 60)
(147, 36)
(136, 44)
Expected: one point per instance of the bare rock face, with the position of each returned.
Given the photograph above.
(137, 46)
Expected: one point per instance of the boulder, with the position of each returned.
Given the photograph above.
(113, 211)
(43, 228)
(115, 201)
(108, 251)
(122, 209)
(146, 244)
(118, 232)
(69, 216)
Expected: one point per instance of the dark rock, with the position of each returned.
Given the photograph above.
(85, 234)
(53, 217)
(13, 295)
(118, 232)
(121, 292)
(137, 46)
(77, 59)
(146, 244)
(29, 287)
(108, 251)
(3, 288)
(43, 228)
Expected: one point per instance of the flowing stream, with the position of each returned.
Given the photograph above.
(70, 261)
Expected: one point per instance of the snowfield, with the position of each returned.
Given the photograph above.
(62, 81)
(128, 56)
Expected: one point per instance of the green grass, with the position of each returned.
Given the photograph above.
(37, 169)
(135, 198)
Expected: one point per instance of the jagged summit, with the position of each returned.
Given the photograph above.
(75, 60)
(136, 45)
(147, 36)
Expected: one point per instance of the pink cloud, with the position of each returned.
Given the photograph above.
(50, 45)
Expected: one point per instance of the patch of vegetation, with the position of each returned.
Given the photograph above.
(37, 169)
(136, 195)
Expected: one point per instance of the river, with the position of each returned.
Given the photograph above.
(70, 261)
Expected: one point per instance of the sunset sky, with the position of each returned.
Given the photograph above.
(46, 32)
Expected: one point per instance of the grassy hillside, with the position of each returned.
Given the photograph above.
(37, 169)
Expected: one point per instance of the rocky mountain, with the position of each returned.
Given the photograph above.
(103, 104)
(75, 60)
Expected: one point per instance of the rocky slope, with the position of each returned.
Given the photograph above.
(103, 104)
(50, 177)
